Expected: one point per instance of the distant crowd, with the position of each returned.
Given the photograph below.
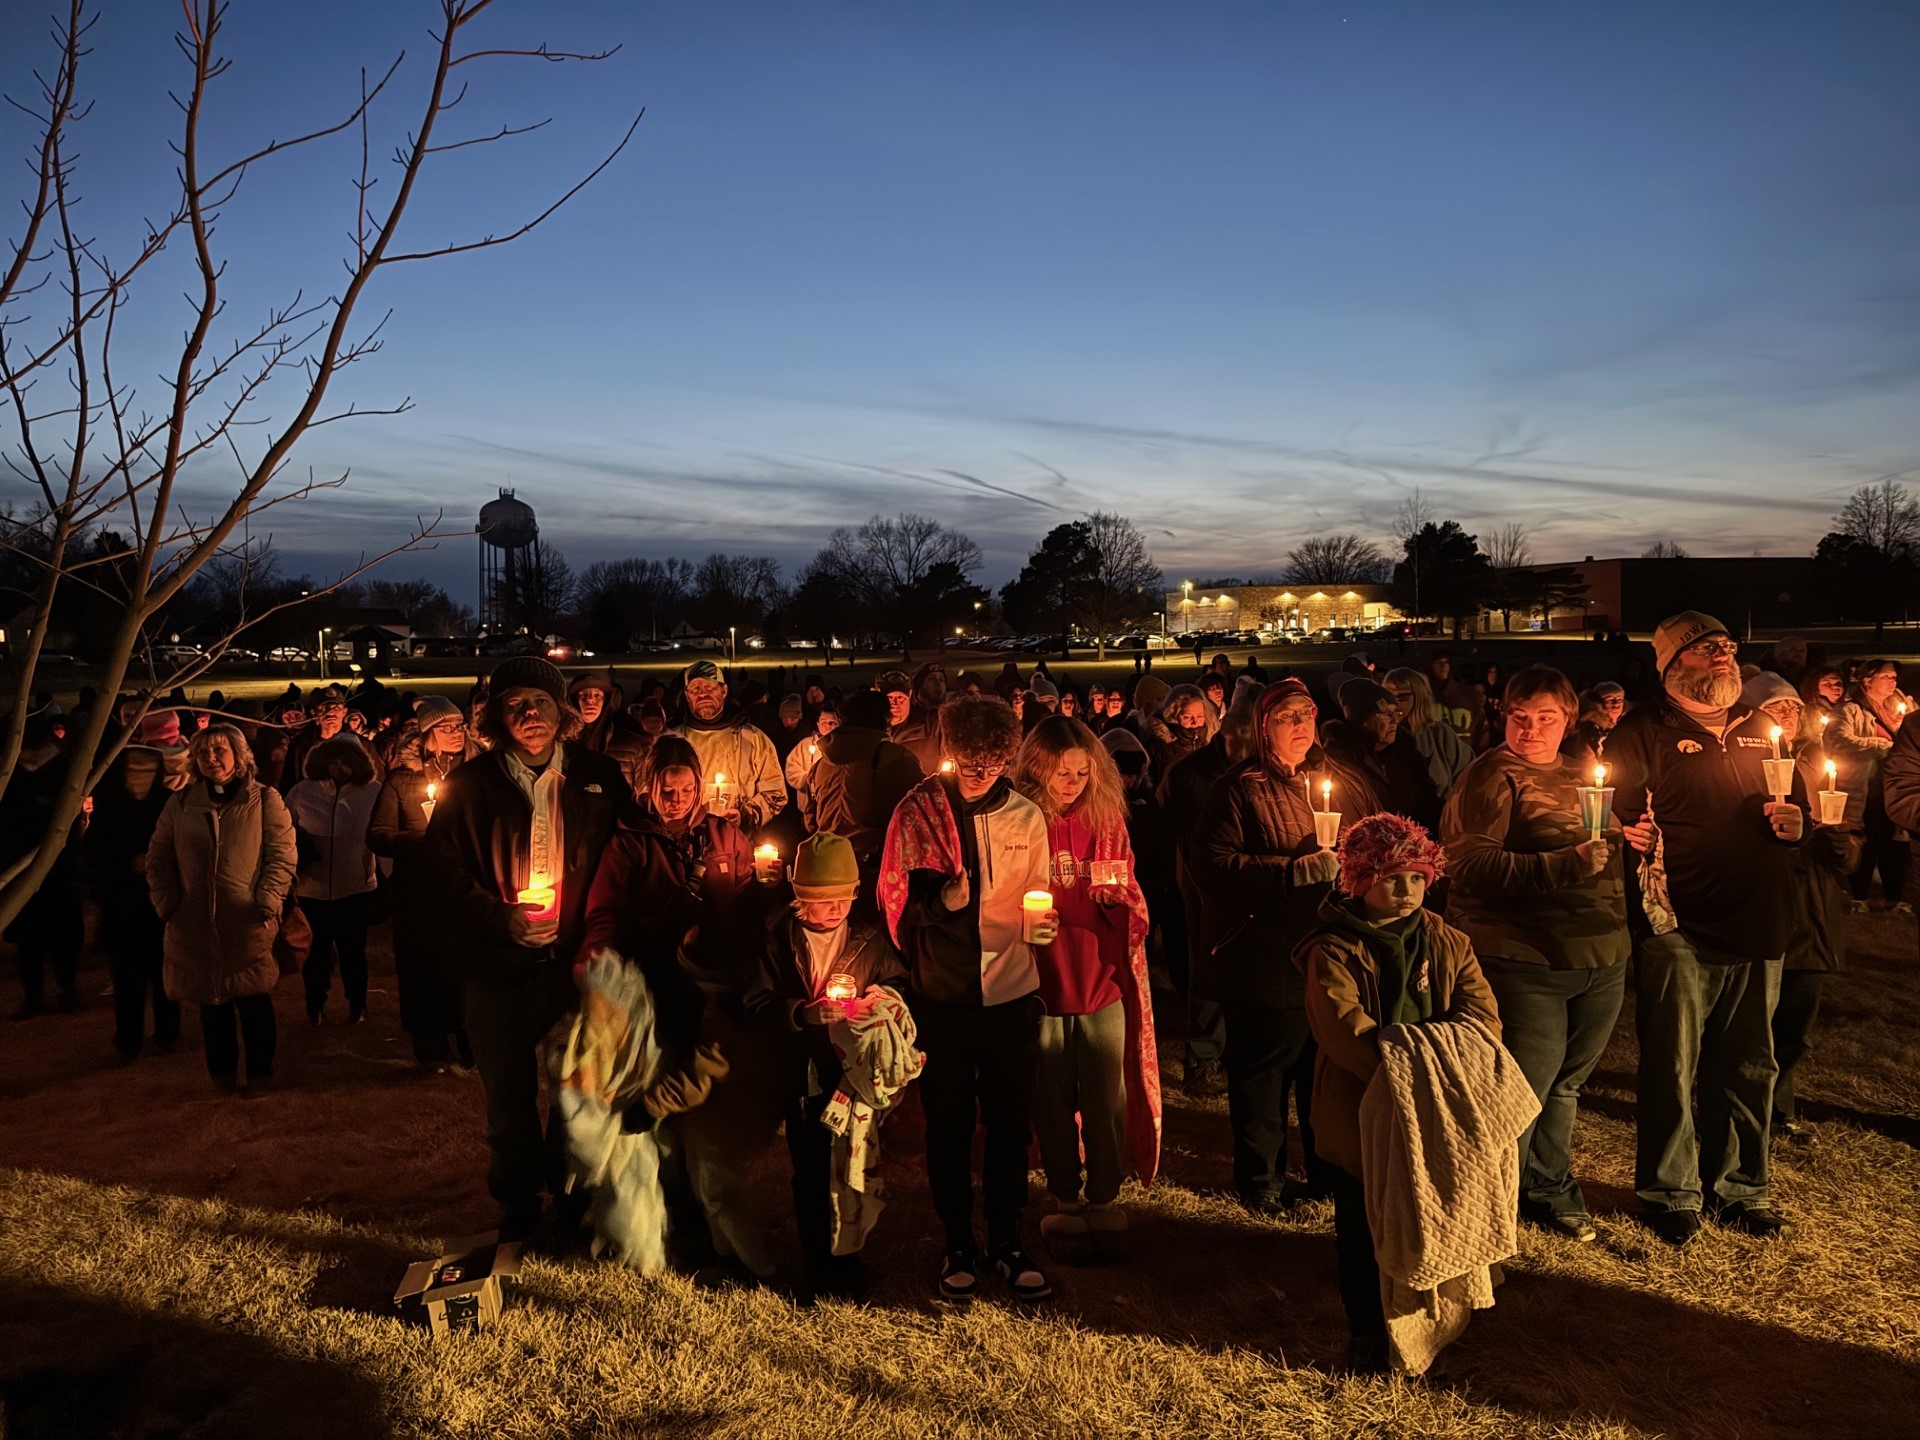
(1403, 899)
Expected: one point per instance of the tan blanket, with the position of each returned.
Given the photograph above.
(1439, 1129)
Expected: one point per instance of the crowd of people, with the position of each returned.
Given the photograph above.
(1404, 901)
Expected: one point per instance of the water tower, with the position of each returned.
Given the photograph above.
(507, 532)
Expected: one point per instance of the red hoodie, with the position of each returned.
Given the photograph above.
(1080, 970)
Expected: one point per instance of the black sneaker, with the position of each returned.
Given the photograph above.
(960, 1275)
(1676, 1227)
(1757, 1220)
(1021, 1276)
(1575, 1227)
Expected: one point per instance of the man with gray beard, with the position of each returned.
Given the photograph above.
(1711, 923)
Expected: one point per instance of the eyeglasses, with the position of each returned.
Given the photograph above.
(980, 772)
(1717, 648)
(1293, 717)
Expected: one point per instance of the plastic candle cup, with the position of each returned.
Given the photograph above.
(1326, 828)
(1033, 911)
(1779, 777)
(1596, 803)
(544, 899)
(1833, 800)
(766, 863)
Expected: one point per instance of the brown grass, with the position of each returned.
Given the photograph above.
(172, 1262)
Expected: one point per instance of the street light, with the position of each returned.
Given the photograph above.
(733, 657)
(1186, 605)
(320, 641)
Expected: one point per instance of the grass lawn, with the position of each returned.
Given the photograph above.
(174, 1263)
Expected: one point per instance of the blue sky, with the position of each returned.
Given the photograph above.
(1244, 272)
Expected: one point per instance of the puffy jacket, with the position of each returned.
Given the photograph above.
(1858, 741)
(332, 821)
(218, 875)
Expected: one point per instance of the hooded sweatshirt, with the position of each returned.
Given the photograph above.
(859, 779)
(731, 745)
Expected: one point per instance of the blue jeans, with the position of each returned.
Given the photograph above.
(1556, 1023)
(1709, 1021)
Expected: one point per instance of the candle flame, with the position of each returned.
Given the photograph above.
(1833, 774)
(719, 778)
(1774, 734)
(1326, 794)
(432, 789)
(946, 767)
(1599, 777)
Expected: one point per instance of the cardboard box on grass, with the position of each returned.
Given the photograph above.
(461, 1289)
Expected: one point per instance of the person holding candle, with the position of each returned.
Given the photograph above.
(429, 992)
(1262, 873)
(1544, 901)
(1817, 939)
(801, 760)
(516, 836)
(1098, 1088)
(962, 852)
(822, 959)
(1690, 792)
(741, 766)
(1857, 739)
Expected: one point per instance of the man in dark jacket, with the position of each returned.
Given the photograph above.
(1262, 874)
(520, 831)
(920, 732)
(860, 777)
(1370, 743)
(605, 727)
(1714, 911)
(126, 808)
(327, 712)
(1184, 793)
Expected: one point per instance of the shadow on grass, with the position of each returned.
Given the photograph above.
(1568, 1349)
(72, 1365)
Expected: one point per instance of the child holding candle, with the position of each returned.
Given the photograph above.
(826, 939)
(1098, 1090)
(962, 850)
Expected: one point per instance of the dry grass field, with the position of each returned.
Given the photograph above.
(174, 1263)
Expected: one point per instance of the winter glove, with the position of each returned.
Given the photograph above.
(1320, 868)
(676, 1093)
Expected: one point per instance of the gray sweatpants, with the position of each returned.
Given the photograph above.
(1080, 1101)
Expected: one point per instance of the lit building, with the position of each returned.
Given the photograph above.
(1302, 609)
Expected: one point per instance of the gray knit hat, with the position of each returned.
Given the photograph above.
(531, 671)
(431, 710)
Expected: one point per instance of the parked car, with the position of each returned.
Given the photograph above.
(559, 649)
(176, 654)
(290, 652)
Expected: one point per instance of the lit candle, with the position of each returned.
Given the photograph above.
(1774, 735)
(842, 989)
(1833, 776)
(1833, 800)
(766, 863)
(947, 767)
(1033, 909)
(813, 750)
(544, 899)
(720, 790)
(1326, 795)
(426, 806)
(1599, 777)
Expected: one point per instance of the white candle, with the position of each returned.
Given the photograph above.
(766, 863)
(426, 805)
(1034, 906)
(1774, 735)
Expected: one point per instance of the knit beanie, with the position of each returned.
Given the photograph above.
(1677, 632)
(1150, 694)
(431, 710)
(159, 729)
(1765, 688)
(893, 682)
(1360, 699)
(590, 680)
(1043, 689)
(702, 670)
(824, 868)
(531, 671)
(1383, 845)
(1277, 694)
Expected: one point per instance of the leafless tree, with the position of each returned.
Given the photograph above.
(1509, 551)
(1664, 550)
(889, 557)
(1336, 560)
(1883, 517)
(1122, 586)
(1416, 512)
(102, 459)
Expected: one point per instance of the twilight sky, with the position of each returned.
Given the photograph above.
(1246, 272)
